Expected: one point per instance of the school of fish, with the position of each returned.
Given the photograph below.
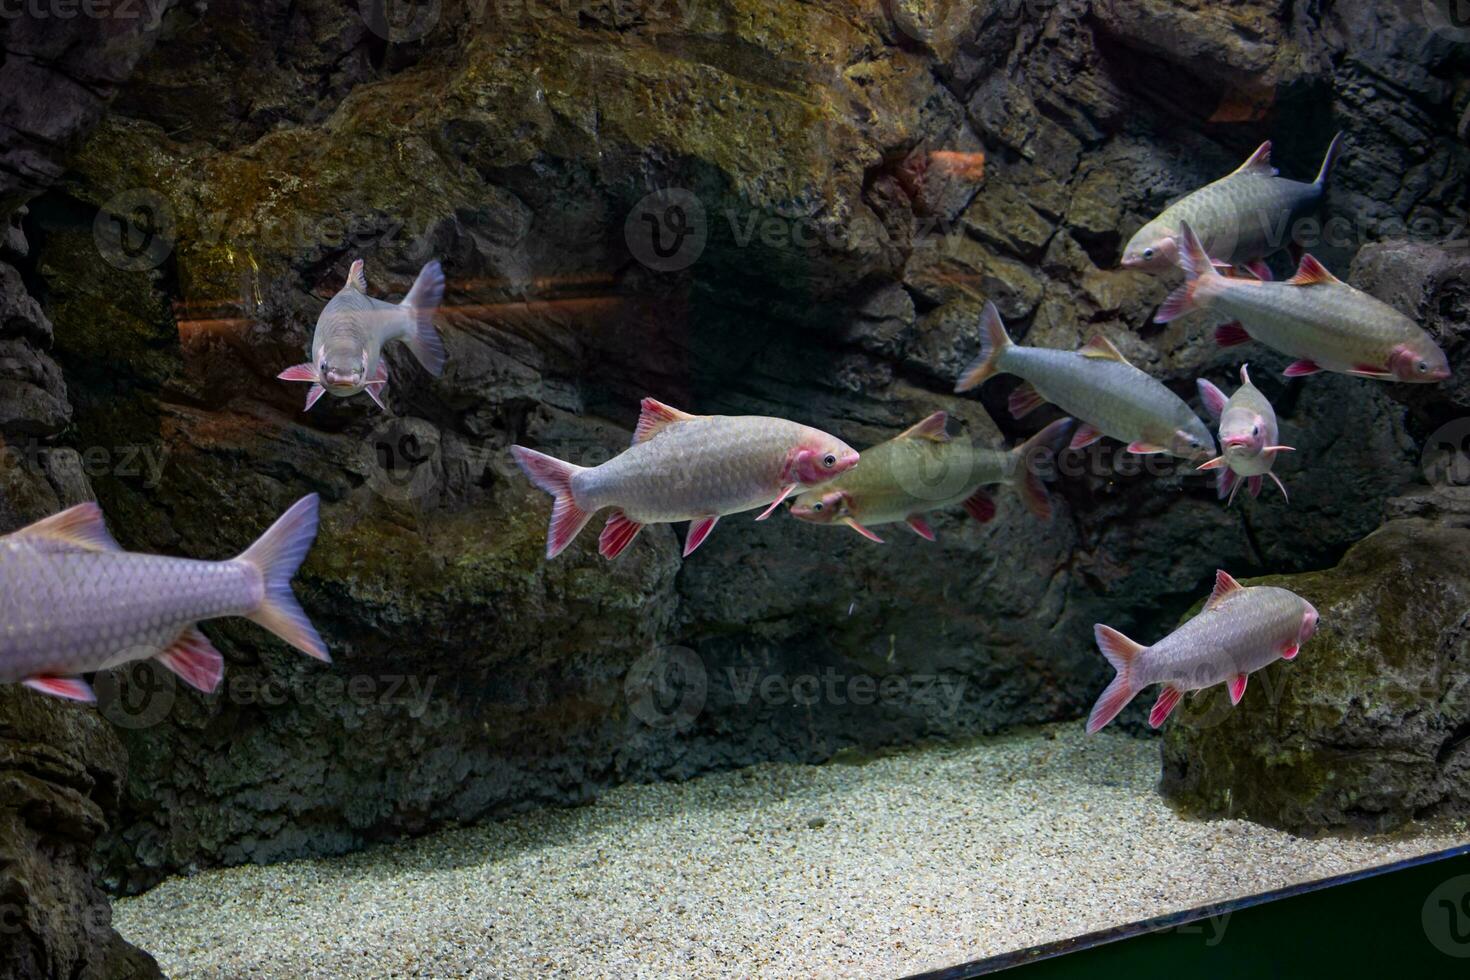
(74, 603)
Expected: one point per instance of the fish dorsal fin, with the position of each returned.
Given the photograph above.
(1225, 587)
(655, 416)
(1259, 162)
(79, 528)
(935, 428)
(356, 278)
(1312, 273)
(1101, 347)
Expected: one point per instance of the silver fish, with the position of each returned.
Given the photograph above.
(347, 348)
(924, 468)
(73, 602)
(1239, 631)
(1241, 218)
(1248, 437)
(1313, 316)
(684, 467)
(1097, 386)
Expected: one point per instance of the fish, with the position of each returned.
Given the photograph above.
(924, 468)
(347, 347)
(1241, 218)
(1097, 386)
(1240, 630)
(73, 602)
(1313, 316)
(684, 467)
(1248, 437)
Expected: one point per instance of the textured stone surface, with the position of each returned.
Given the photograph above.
(61, 774)
(844, 266)
(1366, 729)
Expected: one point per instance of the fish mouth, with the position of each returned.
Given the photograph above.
(1238, 442)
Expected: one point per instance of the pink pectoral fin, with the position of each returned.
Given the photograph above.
(195, 660)
(1145, 448)
(1168, 700)
(1085, 436)
(1300, 369)
(617, 535)
(786, 492)
(920, 527)
(1290, 651)
(375, 391)
(1237, 688)
(71, 688)
(862, 530)
(1213, 464)
(980, 506)
(313, 396)
(698, 531)
(301, 372)
(1255, 486)
(1231, 334)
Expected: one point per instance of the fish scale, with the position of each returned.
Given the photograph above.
(1245, 632)
(1241, 218)
(69, 613)
(73, 602)
(1239, 631)
(707, 467)
(896, 478)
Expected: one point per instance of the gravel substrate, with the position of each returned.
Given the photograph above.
(917, 860)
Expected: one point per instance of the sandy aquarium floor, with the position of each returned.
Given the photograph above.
(917, 860)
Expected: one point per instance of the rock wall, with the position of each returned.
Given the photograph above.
(62, 770)
(843, 235)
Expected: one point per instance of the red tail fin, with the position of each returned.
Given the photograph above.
(1030, 462)
(1122, 653)
(1196, 265)
(555, 477)
(993, 343)
(277, 555)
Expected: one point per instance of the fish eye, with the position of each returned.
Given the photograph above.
(829, 461)
(1148, 253)
(1423, 367)
(1255, 430)
(817, 505)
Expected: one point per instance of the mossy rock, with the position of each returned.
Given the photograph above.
(1367, 728)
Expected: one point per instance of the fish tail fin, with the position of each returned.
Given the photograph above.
(1197, 267)
(1027, 477)
(1122, 653)
(420, 303)
(1329, 158)
(276, 556)
(993, 343)
(555, 477)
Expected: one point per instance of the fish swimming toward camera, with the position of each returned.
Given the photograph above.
(73, 602)
(924, 468)
(1097, 386)
(1241, 218)
(1248, 437)
(347, 347)
(1240, 630)
(683, 467)
(1313, 316)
